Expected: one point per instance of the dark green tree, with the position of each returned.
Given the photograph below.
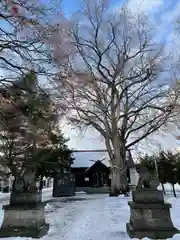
(168, 167)
(162, 171)
(153, 162)
(56, 159)
(26, 120)
(168, 162)
(178, 167)
(148, 161)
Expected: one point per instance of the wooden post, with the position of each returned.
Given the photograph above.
(97, 182)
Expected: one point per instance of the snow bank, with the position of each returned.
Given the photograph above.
(4, 195)
(97, 217)
(168, 187)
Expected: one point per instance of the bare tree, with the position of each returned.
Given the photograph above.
(23, 34)
(115, 81)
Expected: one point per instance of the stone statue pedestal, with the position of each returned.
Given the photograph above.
(64, 186)
(150, 215)
(24, 216)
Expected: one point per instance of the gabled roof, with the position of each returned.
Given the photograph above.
(98, 162)
(87, 159)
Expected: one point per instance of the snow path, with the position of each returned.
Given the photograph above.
(92, 217)
(103, 217)
(99, 217)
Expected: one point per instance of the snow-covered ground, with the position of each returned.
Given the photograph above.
(168, 187)
(4, 196)
(97, 217)
(93, 217)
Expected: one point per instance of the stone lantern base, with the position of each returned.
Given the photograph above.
(150, 216)
(25, 218)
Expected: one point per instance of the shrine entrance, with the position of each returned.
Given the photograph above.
(98, 174)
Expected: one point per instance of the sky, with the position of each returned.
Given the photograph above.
(161, 12)
(164, 14)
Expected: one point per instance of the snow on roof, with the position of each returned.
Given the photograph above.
(83, 159)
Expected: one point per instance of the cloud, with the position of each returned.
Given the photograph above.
(145, 6)
(168, 22)
(141, 6)
(163, 15)
(88, 140)
(171, 15)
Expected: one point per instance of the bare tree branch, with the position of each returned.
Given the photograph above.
(116, 83)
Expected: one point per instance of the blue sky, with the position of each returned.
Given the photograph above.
(157, 7)
(70, 5)
(163, 14)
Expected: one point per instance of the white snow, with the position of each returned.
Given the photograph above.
(97, 217)
(4, 196)
(93, 217)
(46, 194)
(168, 187)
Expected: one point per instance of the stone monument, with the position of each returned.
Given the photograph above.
(24, 215)
(149, 214)
(64, 186)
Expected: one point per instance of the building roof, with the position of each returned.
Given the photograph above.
(87, 159)
(97, 163)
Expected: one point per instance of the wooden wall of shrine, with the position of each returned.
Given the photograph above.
(98, 175)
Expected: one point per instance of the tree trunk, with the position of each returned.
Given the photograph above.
(119, 182)
(54, 185)
(41, 183)
(163, 188)
(174, 191)
(48, 182)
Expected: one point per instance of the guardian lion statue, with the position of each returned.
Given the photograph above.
(147, 178)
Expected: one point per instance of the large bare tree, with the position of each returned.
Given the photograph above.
(116, 82)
